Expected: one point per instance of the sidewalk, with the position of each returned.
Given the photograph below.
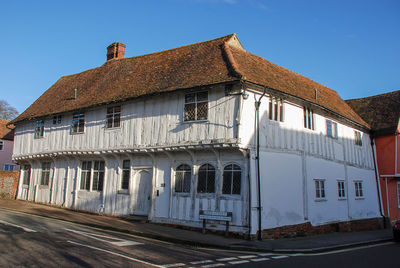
(309, 244)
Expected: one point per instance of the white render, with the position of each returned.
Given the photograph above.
(155, 138)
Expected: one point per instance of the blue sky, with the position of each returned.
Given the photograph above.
(351, 46)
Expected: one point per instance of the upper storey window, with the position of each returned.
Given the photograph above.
(331, 129)
(276, 111)
(357, 138)
(113, 118)
(39, 130)
(57, 119)
(308, 118)
(1, 145)
(196, 106)
(78, 123)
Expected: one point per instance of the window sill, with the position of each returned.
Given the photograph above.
(39, 138)
(196, 121)
(342, 199)
(320, 200)
(360, 198)
(182, 194)
(123, 192)
(41, 187)
(77, 133)
(111, 129)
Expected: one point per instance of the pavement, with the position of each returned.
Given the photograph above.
(309, 244)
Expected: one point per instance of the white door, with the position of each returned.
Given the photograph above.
(141, 193)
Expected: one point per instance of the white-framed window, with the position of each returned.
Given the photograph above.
(331, 129)
(357, 138)
(341, 189)
(45, 173)
(206, 179)
(9, 167)
(358, 189)
(1, 145)
(183, 174)
(308, 115)
(78, 123)
(27, 175)
(126, 174)
(276, 109)
(39, 129)
(232, 179)
(398, 193)
(113, 117)
(57, 119)
(319, 189)
(196, 106)
(92, 175)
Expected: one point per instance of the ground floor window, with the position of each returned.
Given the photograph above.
(92, 175)
(232, 179)
(45, 176)
(9, 167)
(358, 189)
(183, 176)
(206, 179)
(126, 174)
(319, 189)
(27, 175)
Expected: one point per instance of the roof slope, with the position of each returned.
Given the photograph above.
(216, 61)
(382, 112)
(6, 133)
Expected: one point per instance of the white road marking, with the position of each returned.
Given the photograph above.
(297, 254)
(116, 254)
(279, 257)
(213, 265)
(265, 254)
(18, 226)
(174, 265)
(227, 259)
(260, 259)
(200, 262)
(247, 256)
(239, 262)
(349, 249)
(119, 242)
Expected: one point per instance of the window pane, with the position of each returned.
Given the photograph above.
(202, 111)
(190, 98)
(190, 110)
(227, 181)
(202, 96)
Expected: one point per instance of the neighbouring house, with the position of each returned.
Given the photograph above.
(170, 134)
(382, 112)
(6, 147)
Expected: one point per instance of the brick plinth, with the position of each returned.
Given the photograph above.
(9, 184)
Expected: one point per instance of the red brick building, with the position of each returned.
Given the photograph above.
(382, 112)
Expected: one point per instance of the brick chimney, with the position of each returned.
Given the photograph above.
(116, 51)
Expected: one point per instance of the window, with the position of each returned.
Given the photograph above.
(276, 109)
(39, 130)
(98, 176)
(113, 117)
(78, 123)
(27, 175)
(1, 145)
(341, 191)
(196, 106)
(85, 175)
(206, 179)
(319, 189)
(357, 138)
(9, 167)
(232, 179)
(182, 179)
(398, 193)
(126, 174)
(308, 118)
(44, 179)
(358, 189)
(331, 129)
(92, 175)
(57, 119)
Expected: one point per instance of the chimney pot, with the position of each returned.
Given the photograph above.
(116, 51)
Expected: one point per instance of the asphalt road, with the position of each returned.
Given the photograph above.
(34, 241)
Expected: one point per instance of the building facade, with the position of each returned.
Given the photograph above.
(382, 112)
(169, 134)
(6, 148)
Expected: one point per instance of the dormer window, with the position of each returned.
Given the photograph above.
(39, 130)
(196, 106)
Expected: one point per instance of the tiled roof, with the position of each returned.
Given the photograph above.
(382, 112)
(206, 63)
(6, 133)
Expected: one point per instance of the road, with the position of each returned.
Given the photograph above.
(34, 241)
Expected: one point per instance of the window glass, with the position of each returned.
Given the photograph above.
(126, 174)
(113, 117)
(1, 145)
(357, 138)
(39, 130)
(358, 189)
(27, 175)
(319, 189)
(78, 123)
(182, 179)
(85, 175)
(206, 179)
(98, 176)
(341, 190)
(331, 129)
(45, 176)
(276, 109)
(196, 106)
(232, 178)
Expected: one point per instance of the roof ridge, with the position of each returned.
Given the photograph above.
(375, 96)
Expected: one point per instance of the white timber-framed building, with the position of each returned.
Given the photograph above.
(168, 134)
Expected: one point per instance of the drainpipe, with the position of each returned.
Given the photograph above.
(257, 106)
(378, 186)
